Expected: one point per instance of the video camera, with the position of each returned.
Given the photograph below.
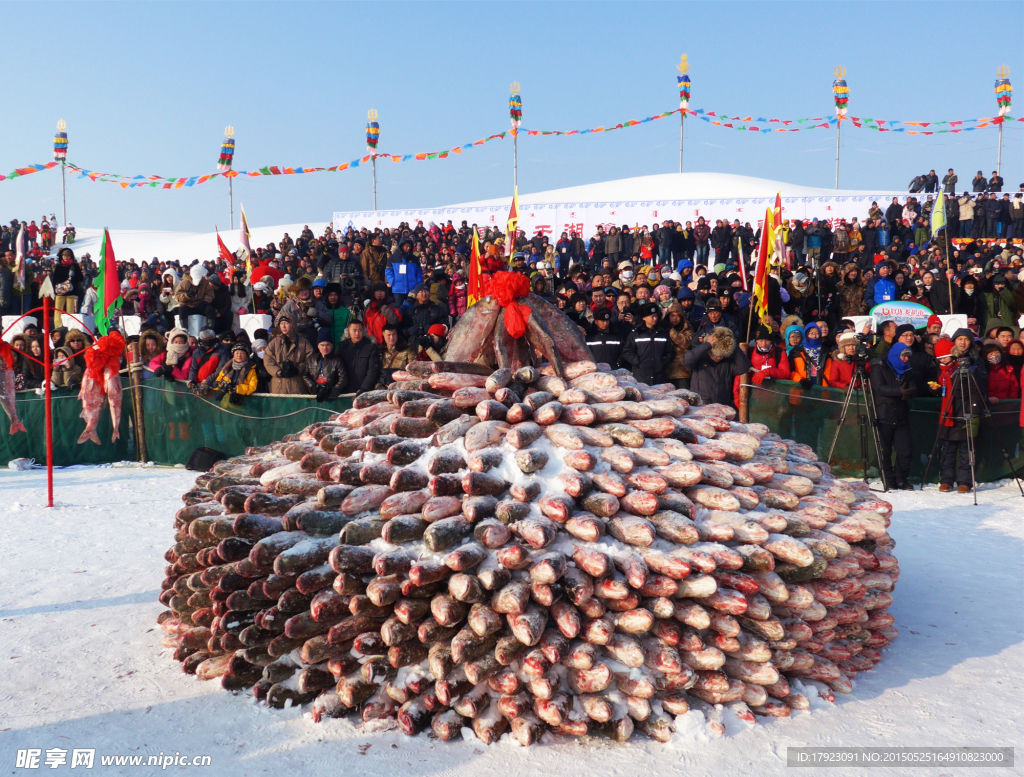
(863, 354)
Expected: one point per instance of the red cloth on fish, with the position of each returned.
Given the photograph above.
(105, 352)
(7, 354)
(507, 288)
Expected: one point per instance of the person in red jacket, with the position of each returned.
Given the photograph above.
(1003, 382)
(767, 359)
(839, 371)
(379, 313)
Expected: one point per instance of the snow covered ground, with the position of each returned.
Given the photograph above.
(81, 664)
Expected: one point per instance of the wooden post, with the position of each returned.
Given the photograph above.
(744, 408)
(134, 381)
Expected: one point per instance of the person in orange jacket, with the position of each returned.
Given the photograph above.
(768, 360)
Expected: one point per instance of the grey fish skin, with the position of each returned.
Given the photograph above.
(566, 336)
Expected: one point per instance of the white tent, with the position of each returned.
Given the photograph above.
(638, 201)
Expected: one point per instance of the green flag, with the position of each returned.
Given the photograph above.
(939, 214)
(108, 289)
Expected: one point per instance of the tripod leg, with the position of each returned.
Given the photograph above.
(931, 458)
(842, 419)
(987, 414)
(873, 421)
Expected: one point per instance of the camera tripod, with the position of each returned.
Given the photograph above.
(865, 420)
(967, 384)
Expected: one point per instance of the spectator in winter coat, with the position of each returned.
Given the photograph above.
(395, 355)
(458, 296)
(715, 364)
(284, 356)
(403, 273)
(174, 362)
(373, 260)
(323, 372)
(301, 309)
(767, 359)
(237, 378)
(881, 288)
(361, 358)
(979, 183)
(207, 359)
(151, 347)
(195, 296)
(954, 461)
(379, 313)
(67, 280)
(681, 334)
(332, 313)
(1000, 304)
(648, 351)
(839, 368)
(851, 293)
(605, 340)
(714, 318)
(949, 183)
(1003, 380)
(892, 389)
(972, 303)
(69, 374)
(419, 315)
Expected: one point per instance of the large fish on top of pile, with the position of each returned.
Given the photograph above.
(520, 552)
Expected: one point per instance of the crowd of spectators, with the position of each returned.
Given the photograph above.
(667, 301)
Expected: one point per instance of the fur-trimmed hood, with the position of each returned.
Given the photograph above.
(725, 343)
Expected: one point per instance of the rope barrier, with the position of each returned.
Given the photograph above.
(823, 400)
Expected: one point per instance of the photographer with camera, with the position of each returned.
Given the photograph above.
(237, 378)
(323, 371)
(955, 457)
(338, 267)
(892, 388)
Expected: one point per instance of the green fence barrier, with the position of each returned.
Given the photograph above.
(811, 416)
(67, 426)
(178, 422)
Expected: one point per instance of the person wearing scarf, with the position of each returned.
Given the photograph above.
(892, 391)
(174, 362)
(815, 352)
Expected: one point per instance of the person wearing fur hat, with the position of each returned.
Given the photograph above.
(323, 371)
(681, 334)
(458, 295)
(174, 361)
(69, 374)
(301, 308)
(648, 351)
(237, 378)
(851, 290)
(715, 365)
(283, 357)
(839, 367)
(151, 345)
(194, 295)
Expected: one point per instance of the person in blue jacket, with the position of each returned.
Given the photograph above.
(403, 273)
(881, 288)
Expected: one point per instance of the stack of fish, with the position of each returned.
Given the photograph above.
(517, 551)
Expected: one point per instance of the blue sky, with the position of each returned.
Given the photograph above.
(147, 88)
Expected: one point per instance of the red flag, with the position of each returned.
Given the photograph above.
(222, 249)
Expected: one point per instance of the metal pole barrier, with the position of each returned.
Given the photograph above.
(515, 160)
(231, 201)
(682, 122)
(47, 375)
(64, 190)
(374, 182)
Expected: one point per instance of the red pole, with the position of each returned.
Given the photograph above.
(47, 374)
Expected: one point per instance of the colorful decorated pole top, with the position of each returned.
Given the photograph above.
(60, 142)
(684, 82)
(515, 106)
(372, 131)
(840, 90)
(227, 149)
(1004, 91)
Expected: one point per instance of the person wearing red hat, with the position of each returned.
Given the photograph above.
(433, 344)
(934, 325)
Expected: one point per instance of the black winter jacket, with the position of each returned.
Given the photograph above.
(328, 372)
(361, 364)
(712, 380)
(648, 353)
